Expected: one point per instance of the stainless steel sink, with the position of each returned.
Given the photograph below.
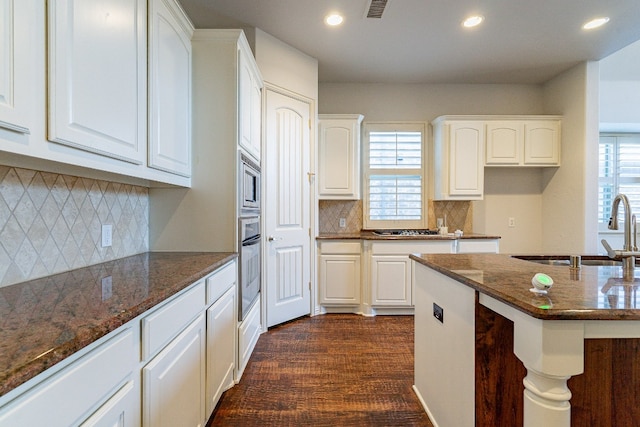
(594, 260)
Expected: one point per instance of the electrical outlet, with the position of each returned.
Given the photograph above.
(343, 222)
(107, 237)
(438, 312)
(512, 222)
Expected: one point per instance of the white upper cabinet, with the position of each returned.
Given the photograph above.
(170, 34)
(339, 156)
(504, 143)
(523, 142)
(16, 74)
(458, 159)
(97, 76)
(250, 96)
(542, 142)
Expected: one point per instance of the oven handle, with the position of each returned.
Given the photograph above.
(251, 241)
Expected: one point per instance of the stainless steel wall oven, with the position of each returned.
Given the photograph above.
(249, 240)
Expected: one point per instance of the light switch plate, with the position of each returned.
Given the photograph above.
(107, 237)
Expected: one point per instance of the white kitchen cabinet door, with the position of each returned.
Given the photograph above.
(173, 383)
(16, 71)
(458, 163)
(169, 88)
(248, 334)
(542, 142)
(97, 76)
(391, 281)
(504, 143)
(221, 347)
(466, 168)
(339, 156)
(250, 104)
(121, 410)
(339, 279)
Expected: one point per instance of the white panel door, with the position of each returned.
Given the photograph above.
(286, 204)
(97, 76)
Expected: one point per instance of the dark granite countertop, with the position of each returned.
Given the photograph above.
(369, 235)
(43, 321)
(588, 293)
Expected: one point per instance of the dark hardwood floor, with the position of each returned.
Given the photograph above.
(330, 370)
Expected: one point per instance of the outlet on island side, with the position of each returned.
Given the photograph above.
(512, 222)
(438, 312)
(343, 222)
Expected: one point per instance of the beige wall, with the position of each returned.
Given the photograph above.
(569, 200)
(284, 66)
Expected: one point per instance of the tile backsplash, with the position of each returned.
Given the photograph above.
(458, 214)
(330, 212)
(50, 223)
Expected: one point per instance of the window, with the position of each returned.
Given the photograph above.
(394, 184)
(619, 172)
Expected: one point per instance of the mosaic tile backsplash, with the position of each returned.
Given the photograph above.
(50, 223)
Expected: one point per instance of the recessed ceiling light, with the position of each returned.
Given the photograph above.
(472, 21)
(595, 23)
(333, 19)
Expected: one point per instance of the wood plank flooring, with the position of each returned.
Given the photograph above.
(329, 370)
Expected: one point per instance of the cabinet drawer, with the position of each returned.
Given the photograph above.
(478, 246)
(407, 248)
(340, 247)
(167, 321)
(220, 281)
(64, 398)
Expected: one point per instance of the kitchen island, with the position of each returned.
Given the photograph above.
(481, 334)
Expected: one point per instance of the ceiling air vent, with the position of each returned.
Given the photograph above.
(376, 7)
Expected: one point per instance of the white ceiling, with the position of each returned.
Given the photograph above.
(422, 41)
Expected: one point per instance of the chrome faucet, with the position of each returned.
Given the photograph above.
(630, 250)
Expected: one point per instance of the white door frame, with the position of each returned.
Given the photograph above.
(313, 214)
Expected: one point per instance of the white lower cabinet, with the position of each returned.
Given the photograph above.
(391, 280)
(167, 367)
(173, 383)
(221, 347)
(248, 334)
(86, 384)
(339, 273)
(390, 269)
(122, 410)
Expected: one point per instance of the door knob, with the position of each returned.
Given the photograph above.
(273, 239)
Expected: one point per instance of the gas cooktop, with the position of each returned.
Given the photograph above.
(405, 232)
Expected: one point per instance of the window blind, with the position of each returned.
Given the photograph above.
(395, 187)
(619, 173)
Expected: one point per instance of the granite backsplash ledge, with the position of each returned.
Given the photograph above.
(459, 215)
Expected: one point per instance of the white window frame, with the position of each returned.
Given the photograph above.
(614, 137)
(370, 224)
